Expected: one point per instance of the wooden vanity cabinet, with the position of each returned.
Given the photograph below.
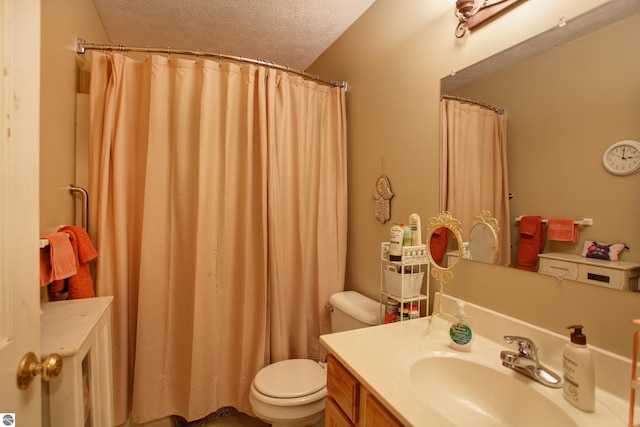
(343, 389)
(374, 413)
(349, 403)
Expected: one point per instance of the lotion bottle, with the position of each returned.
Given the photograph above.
(395, 242)
(416, 233)
(579, 386)
(460, 332)
(406, 235)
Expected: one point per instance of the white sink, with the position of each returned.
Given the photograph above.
(474, 389)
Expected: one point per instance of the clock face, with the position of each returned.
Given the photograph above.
(622, 158)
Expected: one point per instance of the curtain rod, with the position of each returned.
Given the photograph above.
(82, 46)
(473, 101)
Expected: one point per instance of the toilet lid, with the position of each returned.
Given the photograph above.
(291, 378)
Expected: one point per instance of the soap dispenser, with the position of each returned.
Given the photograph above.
(579, 371)
(460, 332)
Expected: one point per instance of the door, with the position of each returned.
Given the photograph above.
(19, 212)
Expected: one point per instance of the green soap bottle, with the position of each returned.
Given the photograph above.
(460, 331)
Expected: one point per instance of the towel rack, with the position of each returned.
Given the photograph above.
(45, 242)
(584, 221)
(85, 210)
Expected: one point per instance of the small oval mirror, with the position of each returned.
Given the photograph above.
(483, 238)
(443, 235)
(441, 229)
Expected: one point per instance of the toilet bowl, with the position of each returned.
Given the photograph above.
(291, 392)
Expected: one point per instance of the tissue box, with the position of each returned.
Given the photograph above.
(411, 284)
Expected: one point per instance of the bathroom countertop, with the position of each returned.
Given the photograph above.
(372, 355)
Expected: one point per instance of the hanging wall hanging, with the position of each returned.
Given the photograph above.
(382, 195)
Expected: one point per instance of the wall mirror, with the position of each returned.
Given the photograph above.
(569, 93)
(483, 238)
(444, 234)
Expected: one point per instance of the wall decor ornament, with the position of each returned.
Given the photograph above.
(473, 14)
(382, 194)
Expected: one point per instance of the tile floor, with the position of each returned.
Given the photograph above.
(225, 417)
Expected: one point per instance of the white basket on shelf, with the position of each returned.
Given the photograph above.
(410, 282)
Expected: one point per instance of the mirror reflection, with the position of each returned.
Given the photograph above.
(565, 107)
(483, 239)
(440, 242)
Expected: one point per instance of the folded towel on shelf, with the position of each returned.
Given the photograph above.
(79, 285)
(57, 259)
(532, 238)
(562, 230)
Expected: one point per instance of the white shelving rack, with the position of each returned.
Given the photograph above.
(414, 261)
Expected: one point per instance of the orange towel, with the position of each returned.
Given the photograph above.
(57, 259)
(79, 285)
(532, 237)
(562, 230)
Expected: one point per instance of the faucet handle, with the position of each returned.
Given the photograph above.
(526, 347)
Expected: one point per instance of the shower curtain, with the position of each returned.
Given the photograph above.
(474, 168)
(219, 212)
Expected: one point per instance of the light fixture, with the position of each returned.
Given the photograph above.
(465, 9)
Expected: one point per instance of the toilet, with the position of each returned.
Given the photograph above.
(291, 392)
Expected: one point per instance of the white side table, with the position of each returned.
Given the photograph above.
(80, 332)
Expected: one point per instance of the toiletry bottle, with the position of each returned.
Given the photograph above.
(579, 386)
(390, 310)
(395, 242)
(416, 233)
(460, 332)
(406, 235)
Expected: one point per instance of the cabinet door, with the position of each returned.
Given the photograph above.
(375, 414)
(343, 388)
(333, 416)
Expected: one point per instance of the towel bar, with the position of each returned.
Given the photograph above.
(584, 221)
(44, 242)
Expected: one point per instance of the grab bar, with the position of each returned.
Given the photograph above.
(85, 203)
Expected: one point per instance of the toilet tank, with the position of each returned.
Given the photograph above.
(352, 310)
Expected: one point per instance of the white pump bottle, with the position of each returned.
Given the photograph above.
(579, 386)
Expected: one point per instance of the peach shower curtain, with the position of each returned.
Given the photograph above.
(219, 211)
(474, 167)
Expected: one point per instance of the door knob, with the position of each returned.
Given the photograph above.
(29, 367)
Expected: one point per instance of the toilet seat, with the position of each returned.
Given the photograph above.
(291, 379)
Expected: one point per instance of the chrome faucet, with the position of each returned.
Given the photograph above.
(525, 361)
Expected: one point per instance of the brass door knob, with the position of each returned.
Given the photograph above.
(29, 367)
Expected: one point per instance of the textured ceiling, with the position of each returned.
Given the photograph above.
(292, 33)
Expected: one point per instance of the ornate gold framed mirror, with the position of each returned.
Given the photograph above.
(443, 231)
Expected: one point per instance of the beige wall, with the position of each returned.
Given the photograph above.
(393, 58)
(62, 22)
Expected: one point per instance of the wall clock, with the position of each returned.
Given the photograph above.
(622, 157)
